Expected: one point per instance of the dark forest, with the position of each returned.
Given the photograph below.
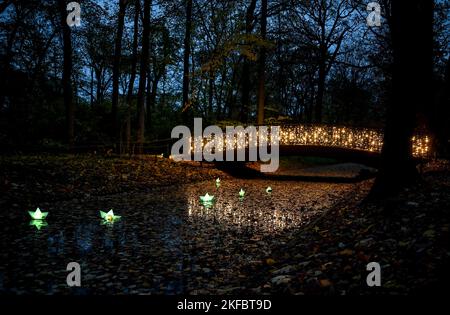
(356, 95)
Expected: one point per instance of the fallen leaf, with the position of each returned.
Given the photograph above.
(324, 283)
(346, 252)
(428, 234)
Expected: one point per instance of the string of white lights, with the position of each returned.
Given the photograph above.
(318, 135)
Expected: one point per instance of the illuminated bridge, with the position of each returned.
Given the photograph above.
(349, 143)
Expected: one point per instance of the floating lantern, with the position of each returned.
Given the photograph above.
(208, 205)
(206, 198)
(38, 215)
(241, 193)
(218, 182)
(269, 190)
(38, 223)
(109, 216)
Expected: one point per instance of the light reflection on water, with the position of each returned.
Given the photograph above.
(111, 238)
(154, 240)
(38, 224)
(84, 237)
(56, 243)
(233, 211)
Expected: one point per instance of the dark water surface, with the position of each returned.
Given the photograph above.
(166, 242)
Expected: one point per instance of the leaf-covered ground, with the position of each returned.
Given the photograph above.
(303, 238)
(30, 179)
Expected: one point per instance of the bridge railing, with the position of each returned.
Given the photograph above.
(354, 138)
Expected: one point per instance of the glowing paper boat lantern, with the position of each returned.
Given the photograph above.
(241, 193)
(38, 223)
(269, 190)
(206, 198)
(109, 216)
(38, 215)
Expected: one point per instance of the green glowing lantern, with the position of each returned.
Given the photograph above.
(241, 193)
(38, 223)
(109, 216)
(218, 182)
(269, 190)
(38, 215)
(206, 198)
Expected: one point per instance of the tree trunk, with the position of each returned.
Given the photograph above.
(320, 91)
(92, 88)
(249, 17)
(99, 91)
(219, 96)
(151, 87)
(67, 74)
(137, 9)
(153, 92)
(411, 79)
(187, 52)
(143, 77)
(262, 66)
(229, 102)
(210, 95)
(116, 68)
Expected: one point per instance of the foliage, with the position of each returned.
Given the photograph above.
(226, 44)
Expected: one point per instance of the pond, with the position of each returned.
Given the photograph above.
(166, 241)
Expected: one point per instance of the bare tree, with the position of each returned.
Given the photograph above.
(186, 57)
(324, 24)
(143, 76)
(412, 44)
(134, 59)
(67, 73)
(116, 67)
(249, 22)
(262, 66)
